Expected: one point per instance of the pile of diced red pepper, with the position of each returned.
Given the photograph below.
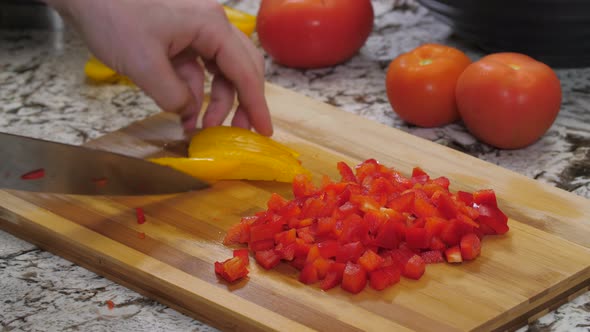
(375, 225)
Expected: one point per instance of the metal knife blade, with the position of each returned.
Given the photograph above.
(37, 165)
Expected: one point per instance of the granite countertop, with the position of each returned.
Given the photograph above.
(43, 94)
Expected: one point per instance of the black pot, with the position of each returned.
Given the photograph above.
(556, 32)
(28, 14)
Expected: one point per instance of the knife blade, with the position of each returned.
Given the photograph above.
(37, 165)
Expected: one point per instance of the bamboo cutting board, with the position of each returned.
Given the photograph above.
(543, 261)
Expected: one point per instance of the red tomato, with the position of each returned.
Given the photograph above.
(313, 33)
(508, 100)
(421, 84)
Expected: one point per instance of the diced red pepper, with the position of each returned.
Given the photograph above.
(139, 215)
(493, 217)
(389, 235)
(417, 238)
(470, 246)
(349, 252)
(334, 276)
(286, 251)
(401, 256)
(243, 253)
(485, 197)
(447, 206)
(419, 176)
(354, 278)
(302, 186)
(100, 182)
(110, 304)
(465, 197)
(403, 203)
(374, 225)
(370, 261)
(232, 269)
(267, 258)
(384, 277)
(453, 255)
(345, 172)
(309, 274)
(328, 248)
(414, 268)
(265, 231)
(424, 209)
(262, 245)
(322, 265)
(276, 202)
(34, 175)
(443, 182)
(432, 256)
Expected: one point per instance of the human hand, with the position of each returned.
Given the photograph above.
(156, 43)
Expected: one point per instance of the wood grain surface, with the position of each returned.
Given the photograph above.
(543, 261)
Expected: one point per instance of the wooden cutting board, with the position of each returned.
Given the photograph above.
(543, 261)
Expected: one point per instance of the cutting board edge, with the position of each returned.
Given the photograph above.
(22, 228)
(32, 232)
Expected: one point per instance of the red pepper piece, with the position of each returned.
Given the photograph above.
(414, 268)
(243, 253)
(232, 269)
(354, 278)
(384, 277)
(34, 175)
(432, 256)
(267, 258)
(370, 261)
(470, 246)
(453, 255)
(110, 304)
(100, 182)
(140, 216)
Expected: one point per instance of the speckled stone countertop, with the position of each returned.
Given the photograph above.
(43, 93)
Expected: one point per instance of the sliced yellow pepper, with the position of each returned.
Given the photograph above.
(202, 168)
(243, 21)
(231, 153)
(101, 73)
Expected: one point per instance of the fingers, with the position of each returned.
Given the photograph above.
(191, 72)
(235, 60)
(221, 103)
(241, 119)
(153, 73)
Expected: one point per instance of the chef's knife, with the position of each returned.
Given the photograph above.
(42, 166)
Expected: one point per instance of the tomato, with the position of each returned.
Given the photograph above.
(313, 33)
(508, 100)
(421, 84)
(374, 226)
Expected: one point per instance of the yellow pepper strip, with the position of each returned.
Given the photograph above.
(101, 73)
(238, 139)
(231, 153)
(201, 168)
(243, 21)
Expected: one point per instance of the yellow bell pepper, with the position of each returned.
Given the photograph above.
(243, 21)
(240, 155)
(101, 73)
